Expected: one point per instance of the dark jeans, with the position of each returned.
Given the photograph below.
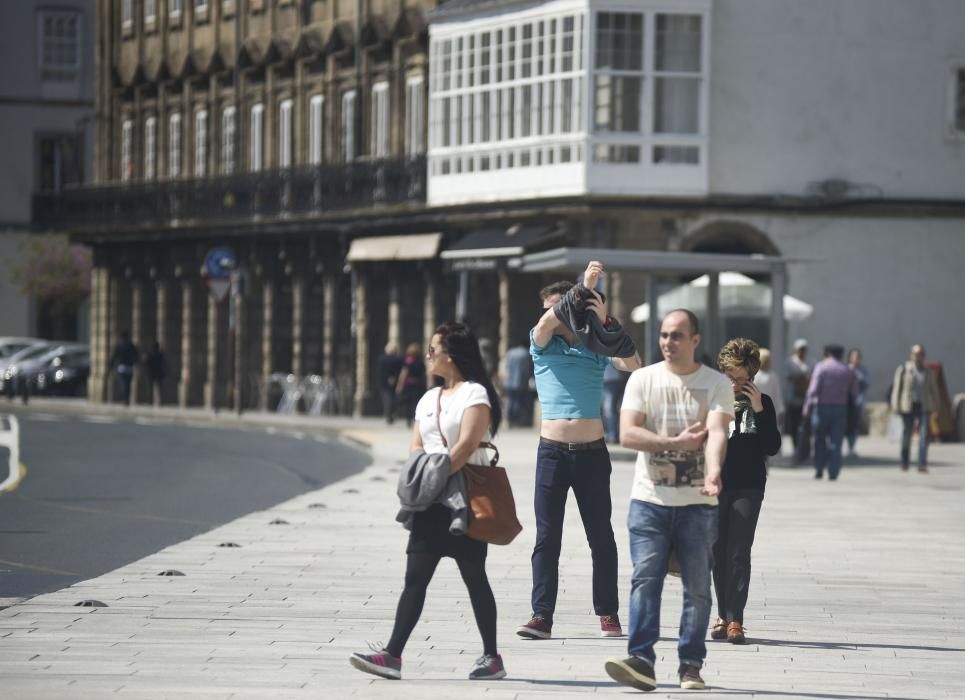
(737, 515)
(587, 472)
(388, 405)
(612, 398)
(654, 530)
(829, 422)
(908, 427)
(519, 406)
(792, 420)
(124, 379)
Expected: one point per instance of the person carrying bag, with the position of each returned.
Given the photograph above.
(454, 422)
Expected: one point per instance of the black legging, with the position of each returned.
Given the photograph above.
(737, 512)
(418, 572)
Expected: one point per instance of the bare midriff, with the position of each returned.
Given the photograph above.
(572, 429)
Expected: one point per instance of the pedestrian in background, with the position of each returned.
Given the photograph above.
(832, 386)
(412, 382)
(675, 414)
(123, 361)
(770, 384)
(856, 408)
(797, 373)
(519, 373)
(156, 366)
(754, 436)
(914, 396)
(390, 366)
(452, 420)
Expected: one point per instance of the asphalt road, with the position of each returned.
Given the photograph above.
(101, 493)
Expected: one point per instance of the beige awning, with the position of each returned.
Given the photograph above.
(418, 246)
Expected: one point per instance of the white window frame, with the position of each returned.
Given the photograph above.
(347, 126)
(150, 147)
(201, 143)
(316, 129)
(955, 101)
(58, 44)
(285, 133)
(256, 138)
(150, 14)
(415, 116)
(380, 120)
(127, 150)
(229, 126)
(174, 145)
(127, 15)
(175, 8)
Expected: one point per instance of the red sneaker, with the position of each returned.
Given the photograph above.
(610, 626)
(536, 628)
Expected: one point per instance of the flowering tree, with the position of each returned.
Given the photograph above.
(53, 271)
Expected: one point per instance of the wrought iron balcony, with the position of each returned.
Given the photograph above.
(299, 191)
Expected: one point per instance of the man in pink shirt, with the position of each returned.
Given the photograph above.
(832, 386)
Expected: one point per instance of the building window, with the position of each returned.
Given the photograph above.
(415, 117)
(201, 143)
(127, 16)
(150, 148)
(127, 150)
(200, 10)
(60, 45)
(228, 137)
(285, 134)
(150, 14)
(256, 138)
(59, 161)
(174, 145)
(956, 101)
(174, 8)
(347, 124)
(380, 120)
(618, 74)
(316, 130)
(677, 74)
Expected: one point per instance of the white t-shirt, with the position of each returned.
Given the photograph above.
(453, 406)
(671, 402)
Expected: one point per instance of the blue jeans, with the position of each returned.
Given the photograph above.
(587, 472)
(691, 531)
(908, 427)
(829, 423)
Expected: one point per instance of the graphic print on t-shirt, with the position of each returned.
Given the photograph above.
(678, 410)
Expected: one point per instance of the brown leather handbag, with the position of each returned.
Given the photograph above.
(492, 507)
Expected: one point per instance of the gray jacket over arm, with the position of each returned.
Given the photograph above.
(425, 480)
(572, 312)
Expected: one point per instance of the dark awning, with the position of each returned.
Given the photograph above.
(499, 242)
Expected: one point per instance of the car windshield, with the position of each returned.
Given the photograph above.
(29, 353)
(11, 349)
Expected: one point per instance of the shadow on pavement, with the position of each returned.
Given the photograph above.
(845, 645)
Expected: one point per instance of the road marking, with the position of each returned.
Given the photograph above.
(34, 567)
(10, 438)
(98, 419)
(47, 417)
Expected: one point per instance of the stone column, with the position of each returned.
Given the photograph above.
(140, 338)
(115, 326)
(394, 329)
(299, 314)
(188, 294)
(215, 347)
(615, 297)
(361, 344)
(162, 291)
(267, 337)
(502, 346)
(328, 325)
(99, 334)
(429, 307)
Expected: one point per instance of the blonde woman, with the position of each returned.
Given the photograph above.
(753, 436)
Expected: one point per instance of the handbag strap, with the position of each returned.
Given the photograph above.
(485, 445)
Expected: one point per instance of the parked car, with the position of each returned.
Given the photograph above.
(10, 345)
(65, 374)
(20, 377)
(10, 366)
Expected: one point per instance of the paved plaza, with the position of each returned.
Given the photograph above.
(857, 592)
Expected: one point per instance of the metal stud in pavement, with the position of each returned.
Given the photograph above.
(90, 604)
(170, 572)
(278, 521)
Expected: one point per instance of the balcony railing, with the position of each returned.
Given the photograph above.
(265, 195)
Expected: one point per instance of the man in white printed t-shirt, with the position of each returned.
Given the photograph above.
(676, 413)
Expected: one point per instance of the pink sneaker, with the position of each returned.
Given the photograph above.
(381, 664)
(610, 626)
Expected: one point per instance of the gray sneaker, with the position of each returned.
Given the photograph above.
(488, 668)
(381, 663)
(690, 677)
(632, 671)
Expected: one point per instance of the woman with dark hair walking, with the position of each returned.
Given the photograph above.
(468, 413)
(754, 436)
